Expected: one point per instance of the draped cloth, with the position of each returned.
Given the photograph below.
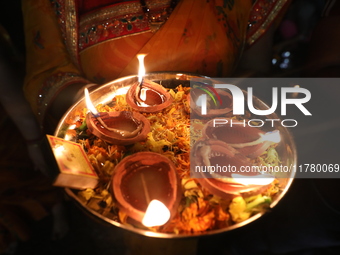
(194, 39)
(66, 46)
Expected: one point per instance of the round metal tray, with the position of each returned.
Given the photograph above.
(104, 95)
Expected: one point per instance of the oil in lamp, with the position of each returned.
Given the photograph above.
(147, 187)
(119, 127)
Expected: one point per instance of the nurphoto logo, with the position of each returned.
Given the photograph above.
(238, 100)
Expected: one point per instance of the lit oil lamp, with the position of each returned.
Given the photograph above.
(219, 168)
(145, 95)
(121, 127)
(146, 184)
(248, 140)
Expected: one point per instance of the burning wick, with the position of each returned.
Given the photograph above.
(145, 95)
(157, 214)
(273, 136)
(140, 92)
(96, 114)
(141, 71)
(145, 188)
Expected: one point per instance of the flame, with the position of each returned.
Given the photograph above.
(157, 214)
(254, 180)
(89, 104)
(141, 70)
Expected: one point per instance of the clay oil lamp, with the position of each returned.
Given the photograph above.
(146, 95)
(219, 101)
(146, 186)
(218, 167)
(120, 127)
(248, 140)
